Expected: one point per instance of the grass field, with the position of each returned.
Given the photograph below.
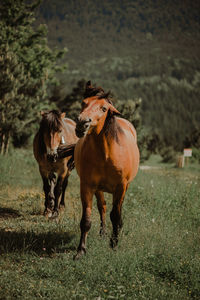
(158, 256)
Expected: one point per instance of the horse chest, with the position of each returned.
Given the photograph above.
(102, 175)
(53, 167)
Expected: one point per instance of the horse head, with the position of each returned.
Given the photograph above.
(51, 128)
(93, 115)
(95, 110)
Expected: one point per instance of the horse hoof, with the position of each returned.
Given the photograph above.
(62, 206)
(79, 254)
(102, 233)
(113, 243)
(54, 214)
(47, 213)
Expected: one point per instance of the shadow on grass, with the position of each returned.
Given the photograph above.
(6, 213)
(42, 244)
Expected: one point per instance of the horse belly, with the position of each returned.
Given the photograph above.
(124, 158)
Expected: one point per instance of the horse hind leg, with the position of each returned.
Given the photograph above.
(115, 214)
(101, 204)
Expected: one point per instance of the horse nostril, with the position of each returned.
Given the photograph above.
(82, 121)
(52, 157)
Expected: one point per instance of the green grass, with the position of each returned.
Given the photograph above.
(158, 256)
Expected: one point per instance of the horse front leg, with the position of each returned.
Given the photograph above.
(115, 214)
(51, 200)
(64, 186)
(101, 204)
(57, 192)
(85, 224)
(46, 189)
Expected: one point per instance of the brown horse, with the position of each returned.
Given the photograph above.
(55, 130)
(106, 159)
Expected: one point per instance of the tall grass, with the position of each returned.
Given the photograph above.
(158, 256)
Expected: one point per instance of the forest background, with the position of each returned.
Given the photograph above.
(145, 52)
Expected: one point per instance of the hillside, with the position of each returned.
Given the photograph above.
(147, 49)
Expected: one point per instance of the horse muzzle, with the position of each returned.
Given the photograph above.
(82, 127)
(52, 157)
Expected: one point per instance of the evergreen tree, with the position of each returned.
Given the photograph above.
(27, 68)
(71, 103)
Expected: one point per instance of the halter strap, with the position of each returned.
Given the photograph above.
(62, 140)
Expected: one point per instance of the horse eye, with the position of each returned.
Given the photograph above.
(104, 109)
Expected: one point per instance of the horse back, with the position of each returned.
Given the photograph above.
(125, 152)
(69, 131)
(126, 125)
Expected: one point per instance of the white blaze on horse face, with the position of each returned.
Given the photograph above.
(49, 151)
(53, 143)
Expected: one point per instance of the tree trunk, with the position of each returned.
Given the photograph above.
(7, 140)
(2, 143)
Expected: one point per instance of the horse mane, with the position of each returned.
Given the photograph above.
(51, 122)
(91, 91)
(111, 127)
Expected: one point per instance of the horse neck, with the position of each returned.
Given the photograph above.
(101, 142)
(42, 146)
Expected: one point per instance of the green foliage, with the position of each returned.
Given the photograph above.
(27, 67)
(71, 103)
(136, 49)
(130, 110)
(193, 140)
(196, 155)
(158, 252)
(168, 154)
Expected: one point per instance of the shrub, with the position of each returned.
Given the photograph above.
(196, 155)
(168, 155)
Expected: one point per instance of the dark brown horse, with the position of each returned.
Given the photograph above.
(106, 159)
(55, 130)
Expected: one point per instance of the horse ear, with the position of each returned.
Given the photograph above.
(113, 110)
(88, 83)
(62, 115)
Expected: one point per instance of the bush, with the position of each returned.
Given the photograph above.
(168, 155)
(196, 155)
